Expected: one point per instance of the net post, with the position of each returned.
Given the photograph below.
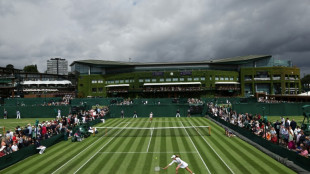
(210, 130)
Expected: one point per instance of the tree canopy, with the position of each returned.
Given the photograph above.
(31, 68)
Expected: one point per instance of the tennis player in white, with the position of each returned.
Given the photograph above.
(181, 164)
(151, 117)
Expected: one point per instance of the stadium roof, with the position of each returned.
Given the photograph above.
(233, 60)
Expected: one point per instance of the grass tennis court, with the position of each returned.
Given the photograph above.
(140, 154)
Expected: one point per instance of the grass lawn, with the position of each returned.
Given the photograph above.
(11, 124)
(124, 153)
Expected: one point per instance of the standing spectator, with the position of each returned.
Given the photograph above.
(59, 114)
(29, 130)
(293, 124)
(5, 114)
(39, 146)
(135, 115)
(188, 112)
(17, 114)
(178, 113)
(122, 113)
(151, 117)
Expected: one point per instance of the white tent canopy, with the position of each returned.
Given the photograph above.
(47, 82)
(119, 85)
(177, 83)
(305, 94)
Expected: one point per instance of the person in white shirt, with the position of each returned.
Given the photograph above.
(151, 117)
(17, 115)
(181, 164)
(14, 147)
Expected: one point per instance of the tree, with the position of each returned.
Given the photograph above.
(31, 69)
(305, 82)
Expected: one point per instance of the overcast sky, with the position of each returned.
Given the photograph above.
(33, 31)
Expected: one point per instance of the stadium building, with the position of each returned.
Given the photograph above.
(238, 76)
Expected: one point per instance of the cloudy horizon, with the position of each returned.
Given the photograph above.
(34, 31)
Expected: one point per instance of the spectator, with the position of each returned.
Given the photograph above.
(5, 114)
(17, 114)
(39, 146)
(14, 147)
(293, 124)
(304, 151)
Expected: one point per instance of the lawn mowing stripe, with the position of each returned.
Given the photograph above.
(194, 160)
(197, 150)
(77, 155)
(150, 155)
(133, 162)
(227, 153)
(215, 165)
(120, 144)
(194, 163)
(254, 154)
(163, 145)
(130, 145)
(99, 150)
(213, 149)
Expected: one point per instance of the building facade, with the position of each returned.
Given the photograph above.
(238, 76)
(57, 66)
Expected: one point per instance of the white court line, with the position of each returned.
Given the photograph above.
(213, 150)
(77, 155)
(145, 152)
(196, 148)
(148, 146)
(99, 150)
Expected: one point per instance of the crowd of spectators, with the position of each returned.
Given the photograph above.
(194, 101)
(283, 132)
(22, 137)
(171, 88)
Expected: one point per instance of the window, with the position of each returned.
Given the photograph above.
(216, 78)
(237, 78)
(189, 79)
(112, 81)
(140, 80)
(168, 79)
(231, 78)
(202, 78)
(210, 77)
(196, 78)
(116, 81)
(100, 81)
(221, 78)
(161, 80)
(175, 79)
(126, 81)
(94, 90)
(226, 78)
(100, 90)
(121, 81)
(131, 80)
(182, 79)
(153, 80)
(106, 82)
(147, 80)
(94, 81)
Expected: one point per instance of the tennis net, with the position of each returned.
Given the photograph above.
(152, 131)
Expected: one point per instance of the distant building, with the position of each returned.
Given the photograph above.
(57, 66)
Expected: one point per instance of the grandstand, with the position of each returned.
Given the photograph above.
(237, 76)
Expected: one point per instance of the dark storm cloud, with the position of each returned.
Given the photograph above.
(153, 31)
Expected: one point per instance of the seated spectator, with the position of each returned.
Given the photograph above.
(299, 148)
(274, 138)
(14, 147)
(2, 149)
(304, 152)
(39, 146)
